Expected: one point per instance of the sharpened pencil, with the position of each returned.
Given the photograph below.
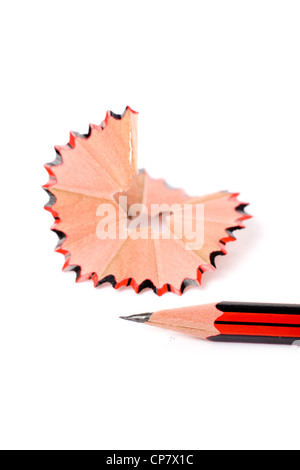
(231, 322)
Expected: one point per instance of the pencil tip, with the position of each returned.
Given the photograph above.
(142, 318)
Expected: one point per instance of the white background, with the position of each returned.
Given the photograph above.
(217, 85)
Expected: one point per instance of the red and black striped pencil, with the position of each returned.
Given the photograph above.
(231, 322)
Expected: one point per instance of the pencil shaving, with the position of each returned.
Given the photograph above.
(97, 173)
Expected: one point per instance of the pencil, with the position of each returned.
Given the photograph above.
(231, 322)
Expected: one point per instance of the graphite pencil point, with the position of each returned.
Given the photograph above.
(142, 318)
